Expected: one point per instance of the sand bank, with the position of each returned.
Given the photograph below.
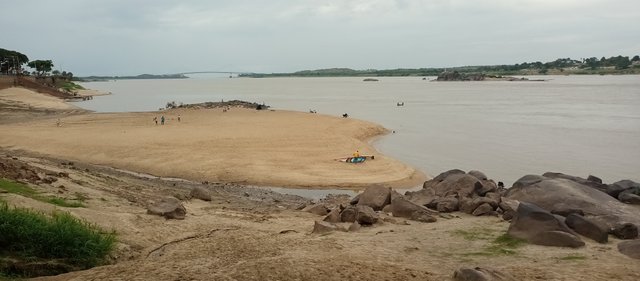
(24, 98)
(269, 148)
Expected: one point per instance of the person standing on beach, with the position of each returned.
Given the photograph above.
(162, 120)
(155, 119)
(178, 117)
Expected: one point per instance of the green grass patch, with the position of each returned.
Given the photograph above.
(503, 245)
(573, 257)
(31, 236)
(26, 191)
(70, 86)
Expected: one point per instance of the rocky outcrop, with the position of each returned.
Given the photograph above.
(588, 228)
(457, 76)
(625, 231)
(456, 190)
(375, 197)
(404, 208)
(565, 195)
(320, 227)
(169, 207)
(540, 227)
(317, 209)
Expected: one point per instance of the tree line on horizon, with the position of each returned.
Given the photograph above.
(11, 63)
(612, 65)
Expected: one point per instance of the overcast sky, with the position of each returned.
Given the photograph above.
(128, 37)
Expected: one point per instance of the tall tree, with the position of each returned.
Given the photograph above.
(41, 66)
(11, 61)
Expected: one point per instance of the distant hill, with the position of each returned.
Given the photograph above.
(141, 76)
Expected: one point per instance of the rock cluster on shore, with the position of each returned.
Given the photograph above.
(551, 210)
(220, 104)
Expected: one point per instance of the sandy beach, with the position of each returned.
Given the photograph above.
(247, 233)
(268, 148)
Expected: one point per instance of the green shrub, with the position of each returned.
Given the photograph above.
(31, 235)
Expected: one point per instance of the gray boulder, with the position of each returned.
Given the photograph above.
(625, 231)
(421, 197)
(401, 207)
(461, 185)
(630, 195)
(617, 187)
(557, 239)
(423, 216)
(349, 214)
(527, 181)
(333, 216)
(365, 215)
(630, 248)
(320, 227)
(540, 227)
(447, 204)
(564, 194)
(480, 274)
(509, 207)
(355, 199)
(470, 205)
(201, 193)
(484, 209)
(588, 228)
(594, 179)
(446, 174)
(375, 197)
(316, 209)
(593, 184)
(478, 175)
(169, 207)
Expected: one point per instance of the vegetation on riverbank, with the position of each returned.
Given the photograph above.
(141, 76)
(70, 86)
(23, 190)
(35, 244)
(561, 66)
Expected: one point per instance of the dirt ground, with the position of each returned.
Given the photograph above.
(249, 233)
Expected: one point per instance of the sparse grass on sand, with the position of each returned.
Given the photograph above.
(26, 191)
(504, 244)
(573, 257)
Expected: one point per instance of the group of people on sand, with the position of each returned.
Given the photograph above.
(155, 119)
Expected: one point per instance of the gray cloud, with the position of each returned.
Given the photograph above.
(132, 37)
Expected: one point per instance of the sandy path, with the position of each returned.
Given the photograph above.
(273, 148)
